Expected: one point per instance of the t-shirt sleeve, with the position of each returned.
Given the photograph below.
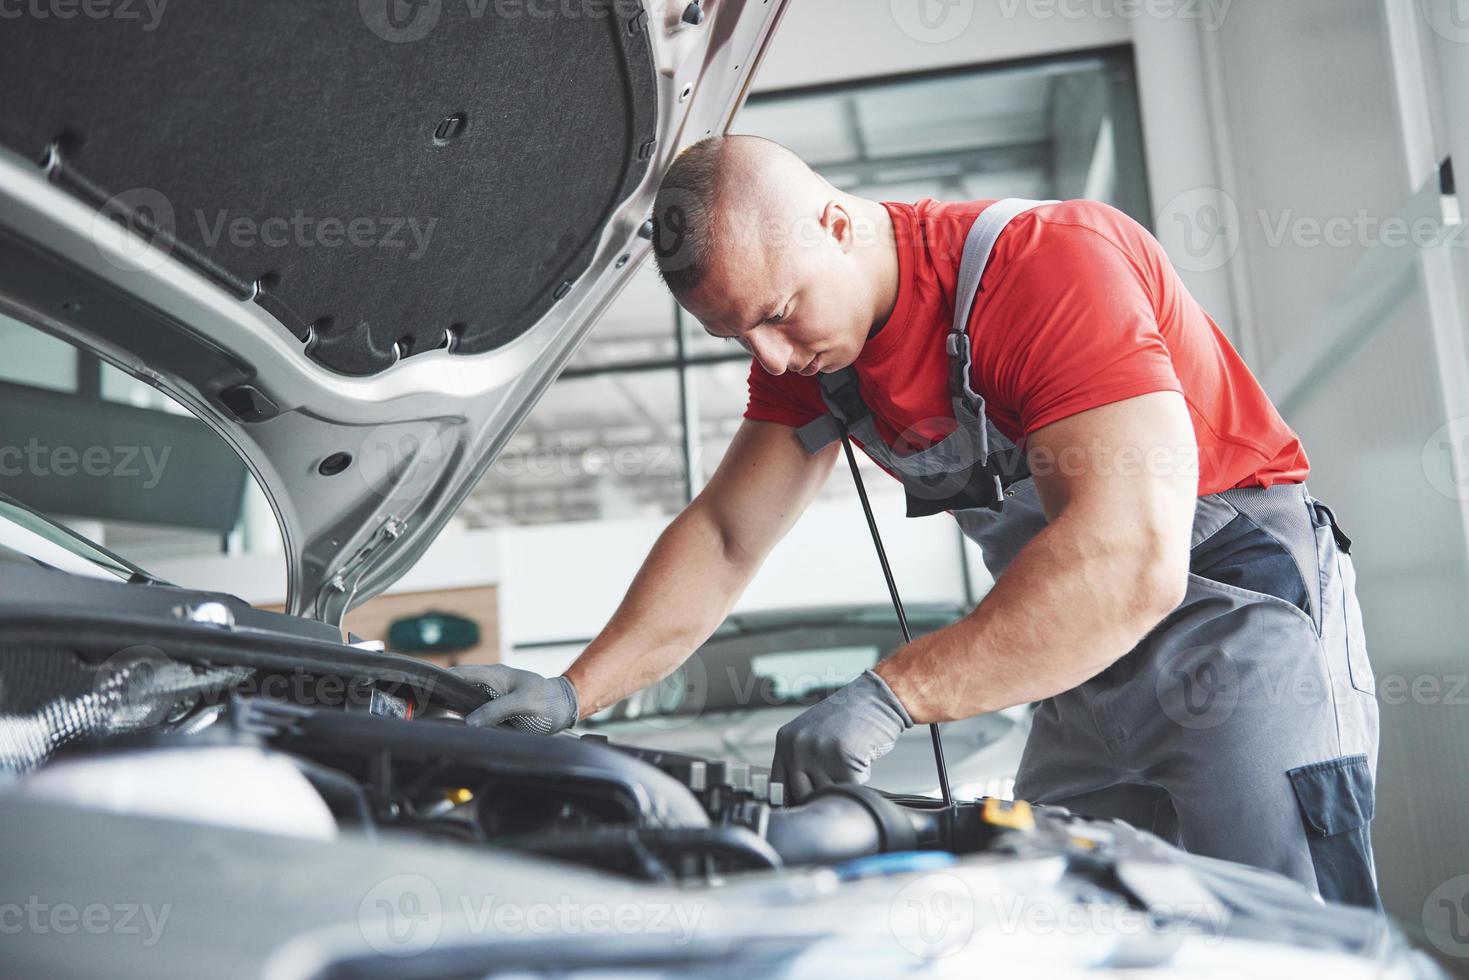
(788, 400)
(1070, 327)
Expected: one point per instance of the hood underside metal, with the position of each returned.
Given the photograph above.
(417, 366)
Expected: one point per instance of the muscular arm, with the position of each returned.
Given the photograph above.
(702, 563)
(1112, 562)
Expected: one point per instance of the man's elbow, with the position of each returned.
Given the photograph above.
(1159, 583)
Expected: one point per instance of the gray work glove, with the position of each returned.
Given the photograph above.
(835, 740)
(523, 699)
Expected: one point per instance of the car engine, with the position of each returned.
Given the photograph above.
(216, 714)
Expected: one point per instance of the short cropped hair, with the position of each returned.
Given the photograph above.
(684, 214)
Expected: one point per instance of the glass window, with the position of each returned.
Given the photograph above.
(118, 461)
(798, 674)
(1065, 129)
(606, 445)
(35, 358)
(638, 327)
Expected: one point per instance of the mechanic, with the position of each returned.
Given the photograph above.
(1165, 587)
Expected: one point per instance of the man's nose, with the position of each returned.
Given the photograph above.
(771, 349)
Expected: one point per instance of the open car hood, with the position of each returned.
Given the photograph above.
(358, 240)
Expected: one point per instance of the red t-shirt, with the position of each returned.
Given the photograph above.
(1080, 308)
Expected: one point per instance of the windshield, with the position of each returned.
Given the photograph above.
(26, 536)
(772, 665)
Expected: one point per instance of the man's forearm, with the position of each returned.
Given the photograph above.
(1072, 602)
(684, 590)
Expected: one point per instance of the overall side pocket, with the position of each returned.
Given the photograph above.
(1336, 803)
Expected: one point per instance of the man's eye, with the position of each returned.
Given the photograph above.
(775, 318)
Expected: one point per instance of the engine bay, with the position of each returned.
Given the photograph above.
(207, 717)
(388, 756)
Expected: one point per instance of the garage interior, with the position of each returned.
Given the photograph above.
(1248, 139)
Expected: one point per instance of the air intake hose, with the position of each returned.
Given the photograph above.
(845, 821)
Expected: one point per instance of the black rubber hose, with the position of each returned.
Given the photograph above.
(844, 822)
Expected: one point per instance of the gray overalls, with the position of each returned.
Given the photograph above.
(1244, 726)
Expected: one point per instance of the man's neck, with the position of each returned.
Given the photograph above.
(881, 255)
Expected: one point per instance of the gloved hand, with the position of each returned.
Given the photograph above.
(523, 699)
(835, 740)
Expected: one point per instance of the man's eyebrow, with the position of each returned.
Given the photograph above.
(772, 310)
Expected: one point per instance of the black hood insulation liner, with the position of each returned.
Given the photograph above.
(384, 185)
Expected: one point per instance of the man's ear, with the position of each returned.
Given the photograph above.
(836, 220)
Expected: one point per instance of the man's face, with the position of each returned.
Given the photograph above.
(793, 299)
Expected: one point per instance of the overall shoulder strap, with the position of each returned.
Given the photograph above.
(978, 248)
(844, 408)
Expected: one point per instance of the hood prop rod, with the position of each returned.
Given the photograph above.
(887, 573)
